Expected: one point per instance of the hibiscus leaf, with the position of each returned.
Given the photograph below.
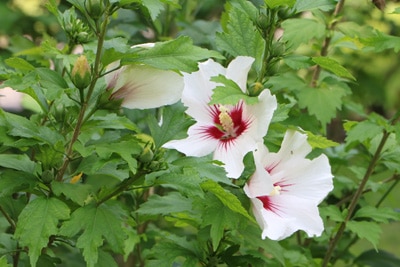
(37, 222)
(162, 205)
(98, 223)
(276, 3)
(240, 38)
(219, 217)
(78, 193)
(361, 131)
(319, 141)
(323, 102)
(227, 198)
(378, 214)
(374, 258)
(18, 162)
(178, 54)
(230, 93)
(174, 125)
(308, 5)
(368, 230)
(294, 31)
(333, 66)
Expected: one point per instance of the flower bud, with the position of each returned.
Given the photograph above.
(95, 8)
(80, 74)
(47, 176)
(263, 22)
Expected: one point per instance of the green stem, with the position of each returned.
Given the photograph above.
(354, 201)
(8, 218)
(101, 30)
(326, 43)
(123, 186)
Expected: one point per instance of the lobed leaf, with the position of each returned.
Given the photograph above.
(333, 66)
(37, 222)
(98, 223)
(368, 230)
(241, 37)
(294, 30)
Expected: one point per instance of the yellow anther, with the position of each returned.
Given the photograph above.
(276, 191)
(226, 121)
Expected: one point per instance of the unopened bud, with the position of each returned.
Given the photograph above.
(95, 8)
(47, 176)
(263, 22)
(80, 74)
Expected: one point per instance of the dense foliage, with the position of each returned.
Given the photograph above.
(90, 178)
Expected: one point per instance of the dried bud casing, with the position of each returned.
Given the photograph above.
(81, 74)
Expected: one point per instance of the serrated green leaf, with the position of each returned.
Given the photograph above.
(230, 93)
(362, 131)
(308, 5)
(97, 223)
(241, 37)
(4, 263)
(377, 214)
(18, 162)
(333, 212)
(287, 81)
(178, 54)
(114, 49)
(162, 205)
(374, 258)
(13, 181)
(297, 62)
(19, 64)
(368, 230)
(382, 41)
(319, 141)
(227, 198)
(172, 247)
(154, 7)
(294, 31)
(333, 66)
(322, 102)
(219, 217)
(186, 181)
(78, 193)
(276, 3)
(174, 125)
(37, 222)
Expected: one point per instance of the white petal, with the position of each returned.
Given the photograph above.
(232, 153)
(308, 179)
(238, 70)
(259, 184)
(144, 87)
(198, 89)
(293, 214)
(144, 45)
(196, 144)
(261, 113)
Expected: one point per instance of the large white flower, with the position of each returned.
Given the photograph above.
(141, 86)
(286, 188)
(230, 131)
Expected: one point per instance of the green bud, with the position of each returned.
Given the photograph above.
(47, 176)
(95, 8)
(263, 22)
(80, 74)
(147, 155)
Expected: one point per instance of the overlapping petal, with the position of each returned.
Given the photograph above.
(142, 87)
(229, 131)
(287, 187)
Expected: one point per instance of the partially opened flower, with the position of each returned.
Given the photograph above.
(141, 86)
(230, 131)
(286, 188)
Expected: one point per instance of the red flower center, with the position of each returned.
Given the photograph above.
(228, 123)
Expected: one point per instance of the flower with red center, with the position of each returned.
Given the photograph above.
(286, 188)
(230, 131)
(141, 86)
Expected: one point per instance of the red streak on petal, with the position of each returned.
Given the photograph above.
(268, 204)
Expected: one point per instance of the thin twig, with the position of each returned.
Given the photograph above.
(354, 201)
(326, 43)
